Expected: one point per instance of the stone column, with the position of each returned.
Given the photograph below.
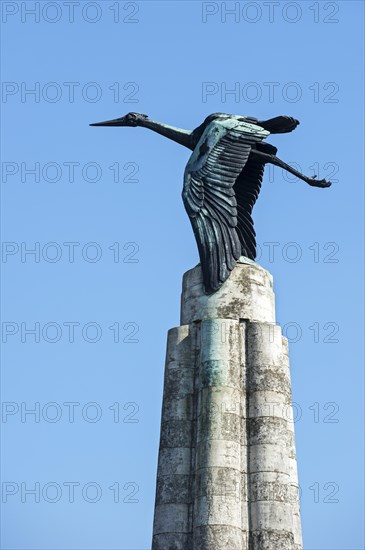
(172, 524)
(220, 506)
(270, 439)
(227, 469)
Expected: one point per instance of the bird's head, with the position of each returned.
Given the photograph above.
(131, 119)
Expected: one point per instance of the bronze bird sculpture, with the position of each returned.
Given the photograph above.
(222, 181)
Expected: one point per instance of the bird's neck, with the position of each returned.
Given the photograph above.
(184, 137)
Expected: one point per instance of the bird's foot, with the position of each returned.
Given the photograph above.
(318, 183)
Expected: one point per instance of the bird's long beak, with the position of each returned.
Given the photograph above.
(115, 122)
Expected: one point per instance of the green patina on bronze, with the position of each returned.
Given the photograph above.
(222, 181)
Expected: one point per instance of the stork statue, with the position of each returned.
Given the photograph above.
(222, 181)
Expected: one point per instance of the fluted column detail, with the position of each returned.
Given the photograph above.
(227, 473)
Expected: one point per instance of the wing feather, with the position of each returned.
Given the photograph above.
(219, 210)
(247, 189)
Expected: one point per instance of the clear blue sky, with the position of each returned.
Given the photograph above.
(175, 62)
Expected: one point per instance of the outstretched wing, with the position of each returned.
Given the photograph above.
(209, 199)
(247, 189)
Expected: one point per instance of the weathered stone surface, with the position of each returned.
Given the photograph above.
(271, 515)
(219, 490)
(271, 540)
(293, 474)
(268, 403)
(175, 433)
(222, 482)
(220, 400)
(261, 377)
(174, 460)
(270, 430)
(172, 541)
(178, 409)
(219, 414)
(264, 344)
(267, 458)
(227, 476)
(219, 537)
(171, 518)
(247, 294)
(271, 487)
(213, 453)
(178, 381)
(173, 489)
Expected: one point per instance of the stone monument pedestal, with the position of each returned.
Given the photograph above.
(227, 474)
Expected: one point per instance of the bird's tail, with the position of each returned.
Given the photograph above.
(279, 124)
